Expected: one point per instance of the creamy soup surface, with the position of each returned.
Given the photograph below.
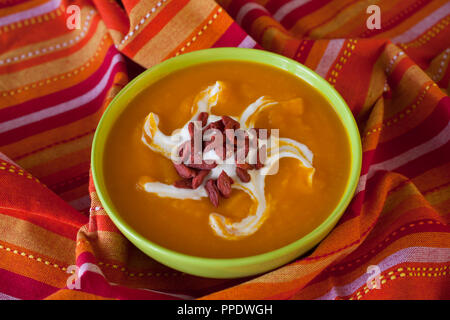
(294, 207)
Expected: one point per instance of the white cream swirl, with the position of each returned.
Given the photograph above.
(255, 188)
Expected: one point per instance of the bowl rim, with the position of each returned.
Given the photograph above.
(229, 54)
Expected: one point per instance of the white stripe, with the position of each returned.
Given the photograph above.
(5, 158)
(4, 296)
(89, 267)
(30, 13)
(248, 42)
(288, 8)
(330, 54)
(181, 296)
(413, 254)
(391, 164)
(78, 36)
(246, 8)
(81, 203)
(64, 106)
(423, 25)
(85, 267)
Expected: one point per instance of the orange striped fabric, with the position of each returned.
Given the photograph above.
(55, 82)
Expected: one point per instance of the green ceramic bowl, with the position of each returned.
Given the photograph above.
(237, 267)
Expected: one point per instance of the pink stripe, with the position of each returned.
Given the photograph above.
(232, 37)
(415, 31)
(433, 159)
(81, 203)
(60, 96)
(330, 55)
(426, 147)
(292, 17)
(10, 4)
(397, 19)
(408, 163)
(420, 134)
(426, 130)
(7, 297)
(273, 5)
(307, 46)
(30, 13)
(248, 42)
(22, 287)
(284, 10)
(251, 17)
(65, 105)
(63, 118)
(413, 254)
(245, 9)
(93, 281)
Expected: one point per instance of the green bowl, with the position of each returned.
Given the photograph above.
(235, 267)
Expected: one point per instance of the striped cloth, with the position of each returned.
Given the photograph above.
(56, 82)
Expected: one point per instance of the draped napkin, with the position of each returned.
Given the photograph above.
(56, 240)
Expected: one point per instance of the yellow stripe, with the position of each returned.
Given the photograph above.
(37, 239)
(24, 50)
(35, 161)
(175, 32)
(342, 18)
(53, 68)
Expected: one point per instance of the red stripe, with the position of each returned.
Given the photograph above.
(412, 288)
(41, 207)
(445, 81)
(420, 134)
(101, 223)
(63, 118)
(285, 295)
(61, 96)
(95, 283)
(45, 220)
(397, 19)
(232, 37)
(86, 257)
(53, 144)
(426, 162)
(113, 15)
(354, 78)
(11, 3)
(398, 72)
(273, 5)
(429, 128)
(251, 16)
(307, 45)
(367, 160)
(235, 6)
(354, 209)
(364, 253)
(335, 14)
(71, 183)
(153, 27)
(54, 55)
(22, 287)
(73, 172)
(291, 18)
(25, 37)
(412, 169)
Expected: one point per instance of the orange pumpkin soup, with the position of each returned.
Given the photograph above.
(227, 210)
